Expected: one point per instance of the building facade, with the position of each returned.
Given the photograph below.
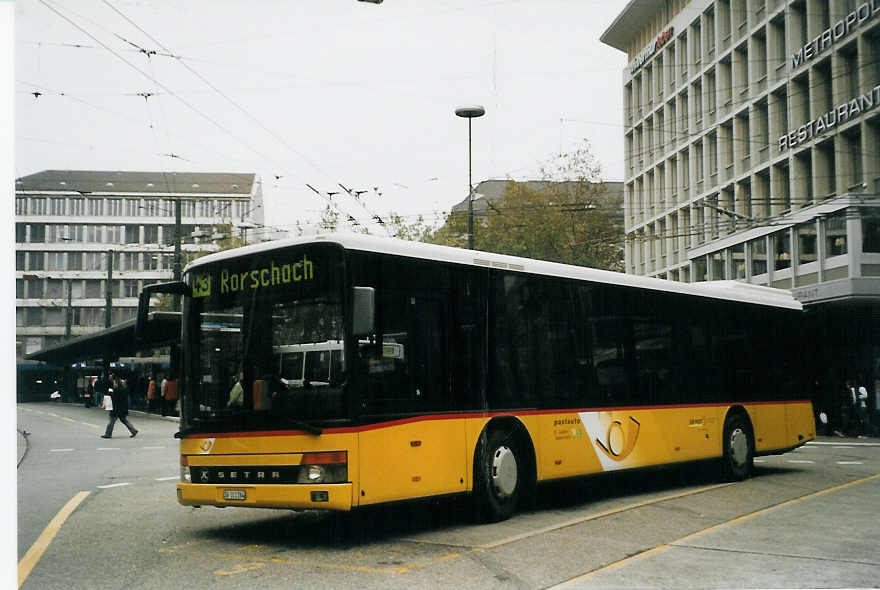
(752, 150)
(87, 242)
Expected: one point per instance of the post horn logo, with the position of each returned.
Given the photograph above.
(620, 439)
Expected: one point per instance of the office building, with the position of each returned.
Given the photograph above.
(752, 153)
(86, 242)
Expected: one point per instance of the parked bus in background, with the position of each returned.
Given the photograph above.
(446, 371)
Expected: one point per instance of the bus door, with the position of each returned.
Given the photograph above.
(412, 446)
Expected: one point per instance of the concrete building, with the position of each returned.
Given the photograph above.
(76, 228)
(752, 150)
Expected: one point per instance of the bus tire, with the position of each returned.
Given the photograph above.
(499, 475)
(739, 448)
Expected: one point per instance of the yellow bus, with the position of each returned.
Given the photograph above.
(450, 371)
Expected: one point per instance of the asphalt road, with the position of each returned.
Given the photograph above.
(806, 520)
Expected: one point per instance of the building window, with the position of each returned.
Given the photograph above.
(870, 230)
(36, 261)
(20, 233)
(19, 261)
(94, 261)
(54, 289)
(74, 261)
(806, 235)
(132, 234)
(38, 206)
(96, 206)
(151, 234)
(718, 273)
(114, 207)
(21, 205)
(35, 289)
(151, 207)
(93, 290)
(151, 260)
(54, 260)
(188, 209)
(782, 250)
(835, 234)
(130, 288)
(701, 269)
(33, 316)
(130, 259)
(77, 206)
(738, 259)
(56, 206)
(112, 234)
(38, 233)
(132, 207)
(19, 289)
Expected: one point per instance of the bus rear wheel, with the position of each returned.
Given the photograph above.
(739, 448)
(498, 476)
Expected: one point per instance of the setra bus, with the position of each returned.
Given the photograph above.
(440, 371)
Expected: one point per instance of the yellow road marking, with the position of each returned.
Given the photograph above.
(33, 555)
(734, 521)
(602, 514)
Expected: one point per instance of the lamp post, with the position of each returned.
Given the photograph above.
(470, 112)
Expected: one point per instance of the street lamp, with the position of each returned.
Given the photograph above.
(470, 112)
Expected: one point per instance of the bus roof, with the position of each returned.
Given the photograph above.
(729, 290)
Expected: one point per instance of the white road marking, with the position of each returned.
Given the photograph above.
(855, 444)
(114, 485)
(841, 447)
(167, 478)
(798, 461)
(850, 463)
(151, 448)
(108, 448)
(760, 461)
(60, 450)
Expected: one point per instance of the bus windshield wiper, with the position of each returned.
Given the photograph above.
(310, 428)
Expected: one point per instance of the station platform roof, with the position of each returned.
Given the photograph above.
(113, 342)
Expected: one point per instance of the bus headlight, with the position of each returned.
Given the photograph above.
(323, 468)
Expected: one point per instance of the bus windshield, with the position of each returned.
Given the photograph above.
(264, 342)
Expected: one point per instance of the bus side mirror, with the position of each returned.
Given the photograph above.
(363, 311)
(143, 312)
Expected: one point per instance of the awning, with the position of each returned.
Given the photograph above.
(113, 342)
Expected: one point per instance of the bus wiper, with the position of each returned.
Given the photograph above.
(310, 428)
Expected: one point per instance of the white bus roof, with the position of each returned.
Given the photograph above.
(729, 290)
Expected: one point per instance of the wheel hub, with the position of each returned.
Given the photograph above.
(739, 446)
(504, 472)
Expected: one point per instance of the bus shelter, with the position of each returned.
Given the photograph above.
(67, 366)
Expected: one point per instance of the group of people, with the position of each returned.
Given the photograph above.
(846, 414)
(854, 411)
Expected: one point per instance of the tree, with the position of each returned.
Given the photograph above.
(565, 217)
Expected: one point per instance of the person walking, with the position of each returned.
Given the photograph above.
(151, 395)
(120, 408)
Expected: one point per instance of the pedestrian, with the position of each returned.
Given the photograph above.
(169, 397)
(163, 385)
(861, 410)
(119, 409)
(100, 389)
(151, 394)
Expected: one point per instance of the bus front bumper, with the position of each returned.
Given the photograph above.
(317, 497)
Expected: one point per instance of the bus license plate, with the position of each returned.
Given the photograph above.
(234, 495)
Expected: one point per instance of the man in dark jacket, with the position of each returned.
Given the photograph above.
(119, 394)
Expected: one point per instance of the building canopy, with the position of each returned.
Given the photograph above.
(113, 342)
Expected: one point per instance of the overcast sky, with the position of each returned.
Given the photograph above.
(319, 92)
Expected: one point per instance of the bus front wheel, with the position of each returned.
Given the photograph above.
(739, 448)
(498, 476)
